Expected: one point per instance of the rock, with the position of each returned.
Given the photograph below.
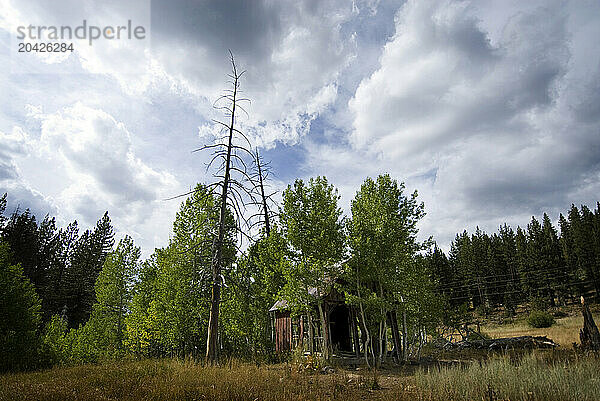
(327, 370)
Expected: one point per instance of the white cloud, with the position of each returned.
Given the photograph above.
(488, 108)
(93, 168)
(486, 129)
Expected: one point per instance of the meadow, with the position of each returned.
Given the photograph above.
(535, 376)
(565, 331)
(560, 374)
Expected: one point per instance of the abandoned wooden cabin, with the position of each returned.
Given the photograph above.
(290, 333)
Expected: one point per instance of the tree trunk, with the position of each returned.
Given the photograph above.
(354, 328)
(212, 341)
(588, 335)
(395, 335)
(382, 341)
(404, 337)
(324, 331)
(382, 328)
(367, 345)
(311, 334)
(301, 334)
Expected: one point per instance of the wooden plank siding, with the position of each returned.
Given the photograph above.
(283, 331)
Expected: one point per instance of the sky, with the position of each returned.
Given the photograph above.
(489, 109)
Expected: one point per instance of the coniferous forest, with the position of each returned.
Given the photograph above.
(541, 263)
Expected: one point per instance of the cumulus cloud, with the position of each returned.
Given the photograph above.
(441, 80)
(491, 127)
(489, 109)
(21, 195)
(92, 168)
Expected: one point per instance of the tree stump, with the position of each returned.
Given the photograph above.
(588, 335)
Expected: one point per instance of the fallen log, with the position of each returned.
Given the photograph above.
(521, 342)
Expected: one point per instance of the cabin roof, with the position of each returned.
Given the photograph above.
(315, 292)
(283, 303)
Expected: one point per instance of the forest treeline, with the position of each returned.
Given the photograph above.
(74, 298)
(69, 297)
(539, 264)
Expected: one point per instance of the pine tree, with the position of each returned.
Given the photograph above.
(460, 259)
(88, 258)
(478, 267)
(21, 234)
(568, 253)
(48, 247)
(583, 246)
(2, 210)
(535, 275)
(509, 251)
(553, 263)
(57, 296)
(522, 262)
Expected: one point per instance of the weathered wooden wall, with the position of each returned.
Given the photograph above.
(283, 331)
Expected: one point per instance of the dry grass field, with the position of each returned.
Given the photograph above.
(560, 374)
(538, 376)
(564, 332)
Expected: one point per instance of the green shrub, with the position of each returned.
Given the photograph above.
(540, 319)
(53, 341)
(19, 317)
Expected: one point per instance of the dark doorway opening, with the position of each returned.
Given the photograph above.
(339, 319)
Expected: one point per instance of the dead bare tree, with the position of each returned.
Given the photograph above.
(234, 179)
(239, 181)
(265, 214)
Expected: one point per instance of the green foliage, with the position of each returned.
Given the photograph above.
(2, 210)
(53, 341)
(170, 298)
(540, 319)
(313, 226)
(20, 307)
(102, 336)
(385, 274)
(106, 326)
(86, 262)
(255, 284)
(312, 220)
(140, 338)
